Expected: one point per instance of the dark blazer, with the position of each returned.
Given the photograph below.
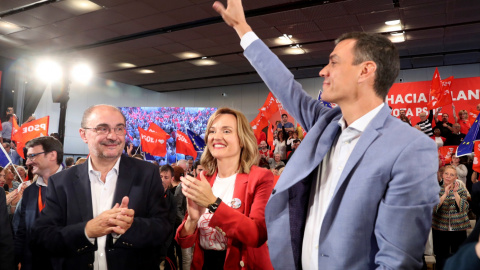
(61, 226)
(6, 239)
(27, 215)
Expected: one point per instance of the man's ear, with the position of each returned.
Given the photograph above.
(83, 135)
(368, 71)
(53, 156)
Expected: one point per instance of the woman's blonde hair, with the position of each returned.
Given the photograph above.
(246, 138)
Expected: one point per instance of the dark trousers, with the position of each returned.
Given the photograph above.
(445, 244)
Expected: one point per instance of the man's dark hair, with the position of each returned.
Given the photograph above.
(49, 144)
(296, 140)
(195, 164)
(167, 168)
(69, 161)
(284, 114)
(379, 49)
(278, 167)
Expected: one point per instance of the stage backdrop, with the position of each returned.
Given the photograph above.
(414, 96)
(170, 119)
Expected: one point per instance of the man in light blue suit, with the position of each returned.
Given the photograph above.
(359, 191)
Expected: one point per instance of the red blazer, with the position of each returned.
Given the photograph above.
(245, 227)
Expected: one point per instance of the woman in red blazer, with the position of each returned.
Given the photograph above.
(226, 205)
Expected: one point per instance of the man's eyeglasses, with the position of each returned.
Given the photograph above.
(32, 156)
(104, 130)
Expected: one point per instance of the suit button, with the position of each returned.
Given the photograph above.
(223, 233)
(242, 264)
(273, 191)
(90, 265)
(78, 250)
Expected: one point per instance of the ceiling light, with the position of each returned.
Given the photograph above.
(285, 39)
(393, 22)
(296, 49)
(7, 27)
(397, 37)
(78, 6)
(204, 62)
(397, 33)
(187, 55)
(146, 71)
(125, 65)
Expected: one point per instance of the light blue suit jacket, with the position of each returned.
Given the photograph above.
(381, 210)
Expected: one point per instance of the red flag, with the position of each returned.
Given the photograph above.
(472, 115)
(440, 94)
(447, 152)
(156, 129)
(258, 124)
(185, 146)
(269, 107)
(476, 159)
(436, 83)
(153, 143)
(31, 130)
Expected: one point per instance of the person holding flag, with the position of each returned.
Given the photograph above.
(225, 204)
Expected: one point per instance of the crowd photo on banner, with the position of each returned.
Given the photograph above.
(364, 174)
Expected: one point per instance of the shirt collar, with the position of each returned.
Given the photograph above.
(41, 182)
(361, 123)
(115, 168)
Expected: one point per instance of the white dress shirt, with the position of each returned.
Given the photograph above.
(102, 200)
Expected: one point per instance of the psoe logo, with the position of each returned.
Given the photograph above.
(36, 127)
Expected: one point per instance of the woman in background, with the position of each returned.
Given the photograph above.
(450, 218)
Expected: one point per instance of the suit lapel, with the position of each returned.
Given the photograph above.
(239, 191)
(83, 191)
(322, 137)
(124, 181)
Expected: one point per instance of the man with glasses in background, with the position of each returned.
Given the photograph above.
(109, 211)
(44, 156)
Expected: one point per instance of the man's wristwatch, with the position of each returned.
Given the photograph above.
(213, 206)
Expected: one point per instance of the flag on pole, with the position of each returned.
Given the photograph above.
(4, 158)
(184, 145)
(270, 106)
(153, 143)
(258, 124)
(31, 130)
(440, 94)
(198, 142)
(466, 146)
(156, 129)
